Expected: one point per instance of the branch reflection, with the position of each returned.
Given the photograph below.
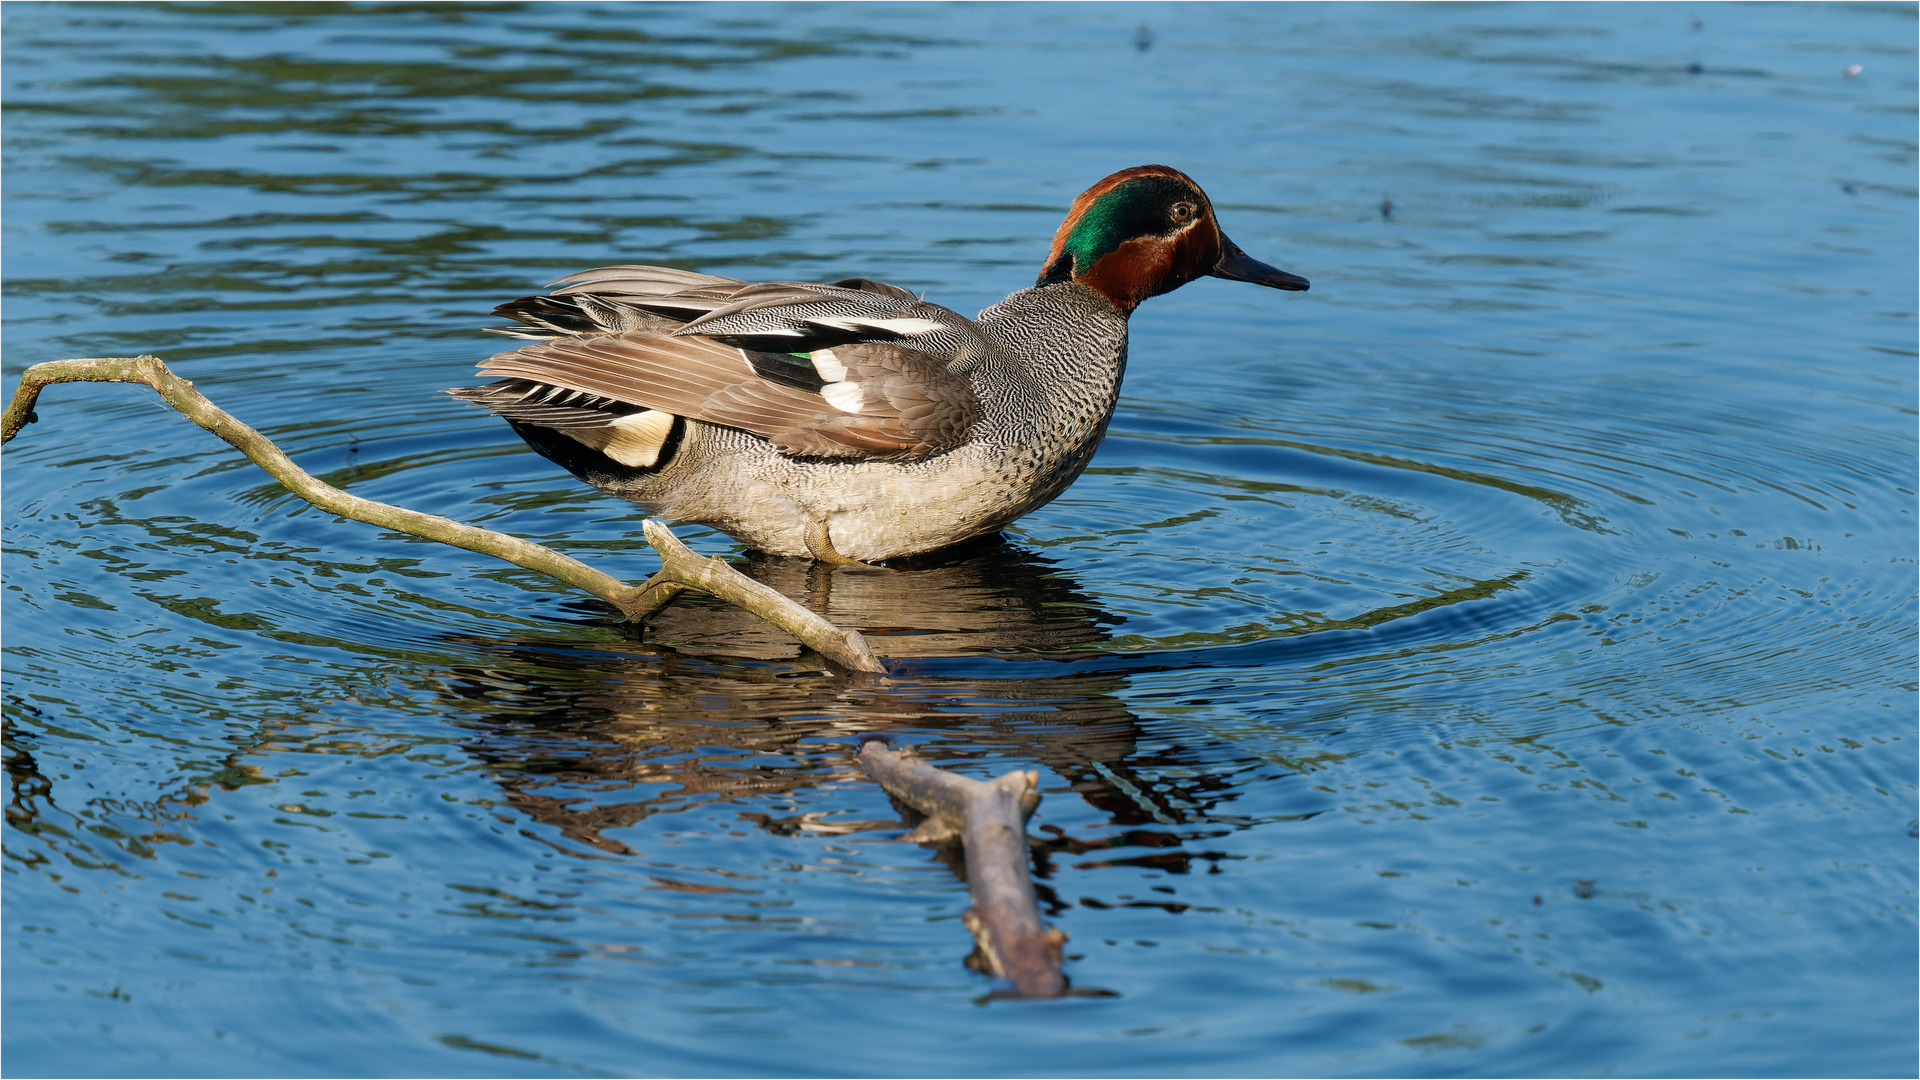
(715, 705)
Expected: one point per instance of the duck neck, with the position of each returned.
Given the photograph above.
(1066, 350)
(1064, 332)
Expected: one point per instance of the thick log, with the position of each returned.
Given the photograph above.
(990, 819)
(680, 570)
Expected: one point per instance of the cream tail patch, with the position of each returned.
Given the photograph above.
(634, 441)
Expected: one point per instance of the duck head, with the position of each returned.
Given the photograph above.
(1146, 231)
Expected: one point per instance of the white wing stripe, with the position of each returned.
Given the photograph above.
(829, 365)
(895, 326)
(845, 396)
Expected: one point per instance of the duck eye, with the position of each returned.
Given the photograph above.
(1183, 212)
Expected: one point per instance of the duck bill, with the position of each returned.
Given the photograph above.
(1237, 265)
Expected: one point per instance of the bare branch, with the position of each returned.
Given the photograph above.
(990, 818)
(681, 565)
(681, 568)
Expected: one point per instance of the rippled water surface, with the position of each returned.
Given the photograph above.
(1498, 660)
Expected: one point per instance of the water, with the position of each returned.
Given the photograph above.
(1498, 660)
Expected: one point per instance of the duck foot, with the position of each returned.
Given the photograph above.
(820, 546)
(714, 577)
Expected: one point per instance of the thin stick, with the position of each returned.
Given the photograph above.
(635, 602)
(990, 817)
(679, 564)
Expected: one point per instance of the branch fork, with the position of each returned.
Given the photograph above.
(680, 568)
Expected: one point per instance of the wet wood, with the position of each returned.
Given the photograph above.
(680, 570)
(989, 817)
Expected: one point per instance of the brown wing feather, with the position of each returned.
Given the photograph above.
(674, 375)
(911, 405)
(934, 406)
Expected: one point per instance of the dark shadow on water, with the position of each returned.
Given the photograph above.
(714, 705)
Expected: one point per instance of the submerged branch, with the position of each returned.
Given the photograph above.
(681, 569)
(990, 818)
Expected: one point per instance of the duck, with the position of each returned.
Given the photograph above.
(852, 422)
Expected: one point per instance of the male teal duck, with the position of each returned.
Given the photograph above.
(853, 422)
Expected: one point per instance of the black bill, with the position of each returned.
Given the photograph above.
(1237, 265)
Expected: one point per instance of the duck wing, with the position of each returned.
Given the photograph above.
(598, 302)
(873, 400)
(855, 369)
(777, 316)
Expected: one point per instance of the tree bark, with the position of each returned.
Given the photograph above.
(990, 819)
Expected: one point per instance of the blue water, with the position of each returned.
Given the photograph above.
(1496, 661)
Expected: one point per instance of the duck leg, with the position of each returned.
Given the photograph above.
(820, 546)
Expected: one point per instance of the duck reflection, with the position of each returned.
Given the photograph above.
(712, 704)
(990, 597)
